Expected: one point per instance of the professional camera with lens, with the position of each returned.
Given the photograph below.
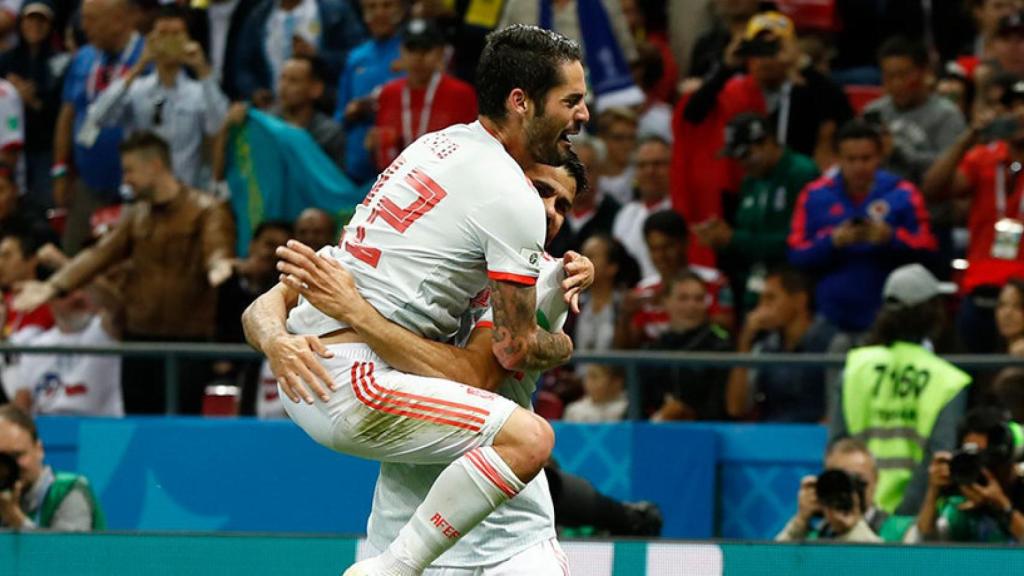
(966, 465)
(9, 471)
(836, 488)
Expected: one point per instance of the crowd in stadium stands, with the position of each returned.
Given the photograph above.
(784, 177)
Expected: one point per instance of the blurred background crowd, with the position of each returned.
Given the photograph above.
(799, 176)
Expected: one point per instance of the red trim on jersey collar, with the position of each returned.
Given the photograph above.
(510, 277)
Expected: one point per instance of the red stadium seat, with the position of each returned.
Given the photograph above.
(818, 15)
(859, 96)
(548, 406)
(221, 400)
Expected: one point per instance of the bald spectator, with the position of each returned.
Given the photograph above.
(86, 165)
(315, 228)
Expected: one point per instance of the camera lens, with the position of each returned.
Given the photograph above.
(835, 489)
(9, 471)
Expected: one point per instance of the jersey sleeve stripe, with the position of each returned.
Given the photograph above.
(510, 277)
(484, 324)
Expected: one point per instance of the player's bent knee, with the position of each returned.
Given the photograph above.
(525, 443)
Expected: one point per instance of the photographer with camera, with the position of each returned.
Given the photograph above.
(33, 495)
(976, 494)
(838, 504)
(984, 165)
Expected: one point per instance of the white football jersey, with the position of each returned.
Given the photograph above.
(73, 384)
(452, 211)
(517, 525)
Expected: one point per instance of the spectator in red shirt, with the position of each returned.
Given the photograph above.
(985, 164)
(19, 263)
(426, 100)
(643, 318)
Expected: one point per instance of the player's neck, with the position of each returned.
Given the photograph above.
(511, 139)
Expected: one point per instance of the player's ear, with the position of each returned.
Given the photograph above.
(518, 102)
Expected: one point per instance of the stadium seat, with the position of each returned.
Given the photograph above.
(859, 96)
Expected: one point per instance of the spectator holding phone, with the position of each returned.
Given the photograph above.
(984, 165)
(166, 100)
(851, 228)
(976, 494)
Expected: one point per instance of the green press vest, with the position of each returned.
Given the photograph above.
(63, 484)
(892, 397)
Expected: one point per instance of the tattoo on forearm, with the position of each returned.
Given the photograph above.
(518, 345)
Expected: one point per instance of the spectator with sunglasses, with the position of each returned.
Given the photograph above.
(181, 110)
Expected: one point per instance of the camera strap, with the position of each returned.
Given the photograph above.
(425, 111)
(782, 130)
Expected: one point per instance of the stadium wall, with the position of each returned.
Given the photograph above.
(218, 555)
(243, 475)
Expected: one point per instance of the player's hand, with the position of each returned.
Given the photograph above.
(32, 294)
(579, 275)
(10, 510)
(991, 494)
(324, 282)
(807, 499)
(295, 359)
(938, 471)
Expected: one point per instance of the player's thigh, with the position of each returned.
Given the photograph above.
(399, 417)
(543, 559)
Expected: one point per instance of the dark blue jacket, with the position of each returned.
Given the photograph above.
(850, 279)
(342, 30)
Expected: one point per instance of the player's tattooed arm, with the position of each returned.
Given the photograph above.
(519, 344)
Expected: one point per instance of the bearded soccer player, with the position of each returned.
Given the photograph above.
(518, 537)
(453, 216)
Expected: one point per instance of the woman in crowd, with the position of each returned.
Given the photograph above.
(1010, 316)
(614, 272)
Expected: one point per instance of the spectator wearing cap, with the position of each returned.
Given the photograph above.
(36, 71)
(277, 29)
(166, 101)
(783, 322)
(774, 176)
(652, 160)
(920, 122)
(179, 244)
(86, 167)
(852, 227)
(763, 71)
(731, 18)
(956, 86)
(426, 100)
(985, 164)
(898, 396)
(593, 212)
(368, 67)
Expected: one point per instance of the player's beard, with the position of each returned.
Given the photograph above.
(544, 137)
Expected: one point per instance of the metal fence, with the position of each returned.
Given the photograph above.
(173, 352)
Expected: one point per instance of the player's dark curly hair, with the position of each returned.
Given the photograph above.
(575, 169)
(908, 323)
(523, 57)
